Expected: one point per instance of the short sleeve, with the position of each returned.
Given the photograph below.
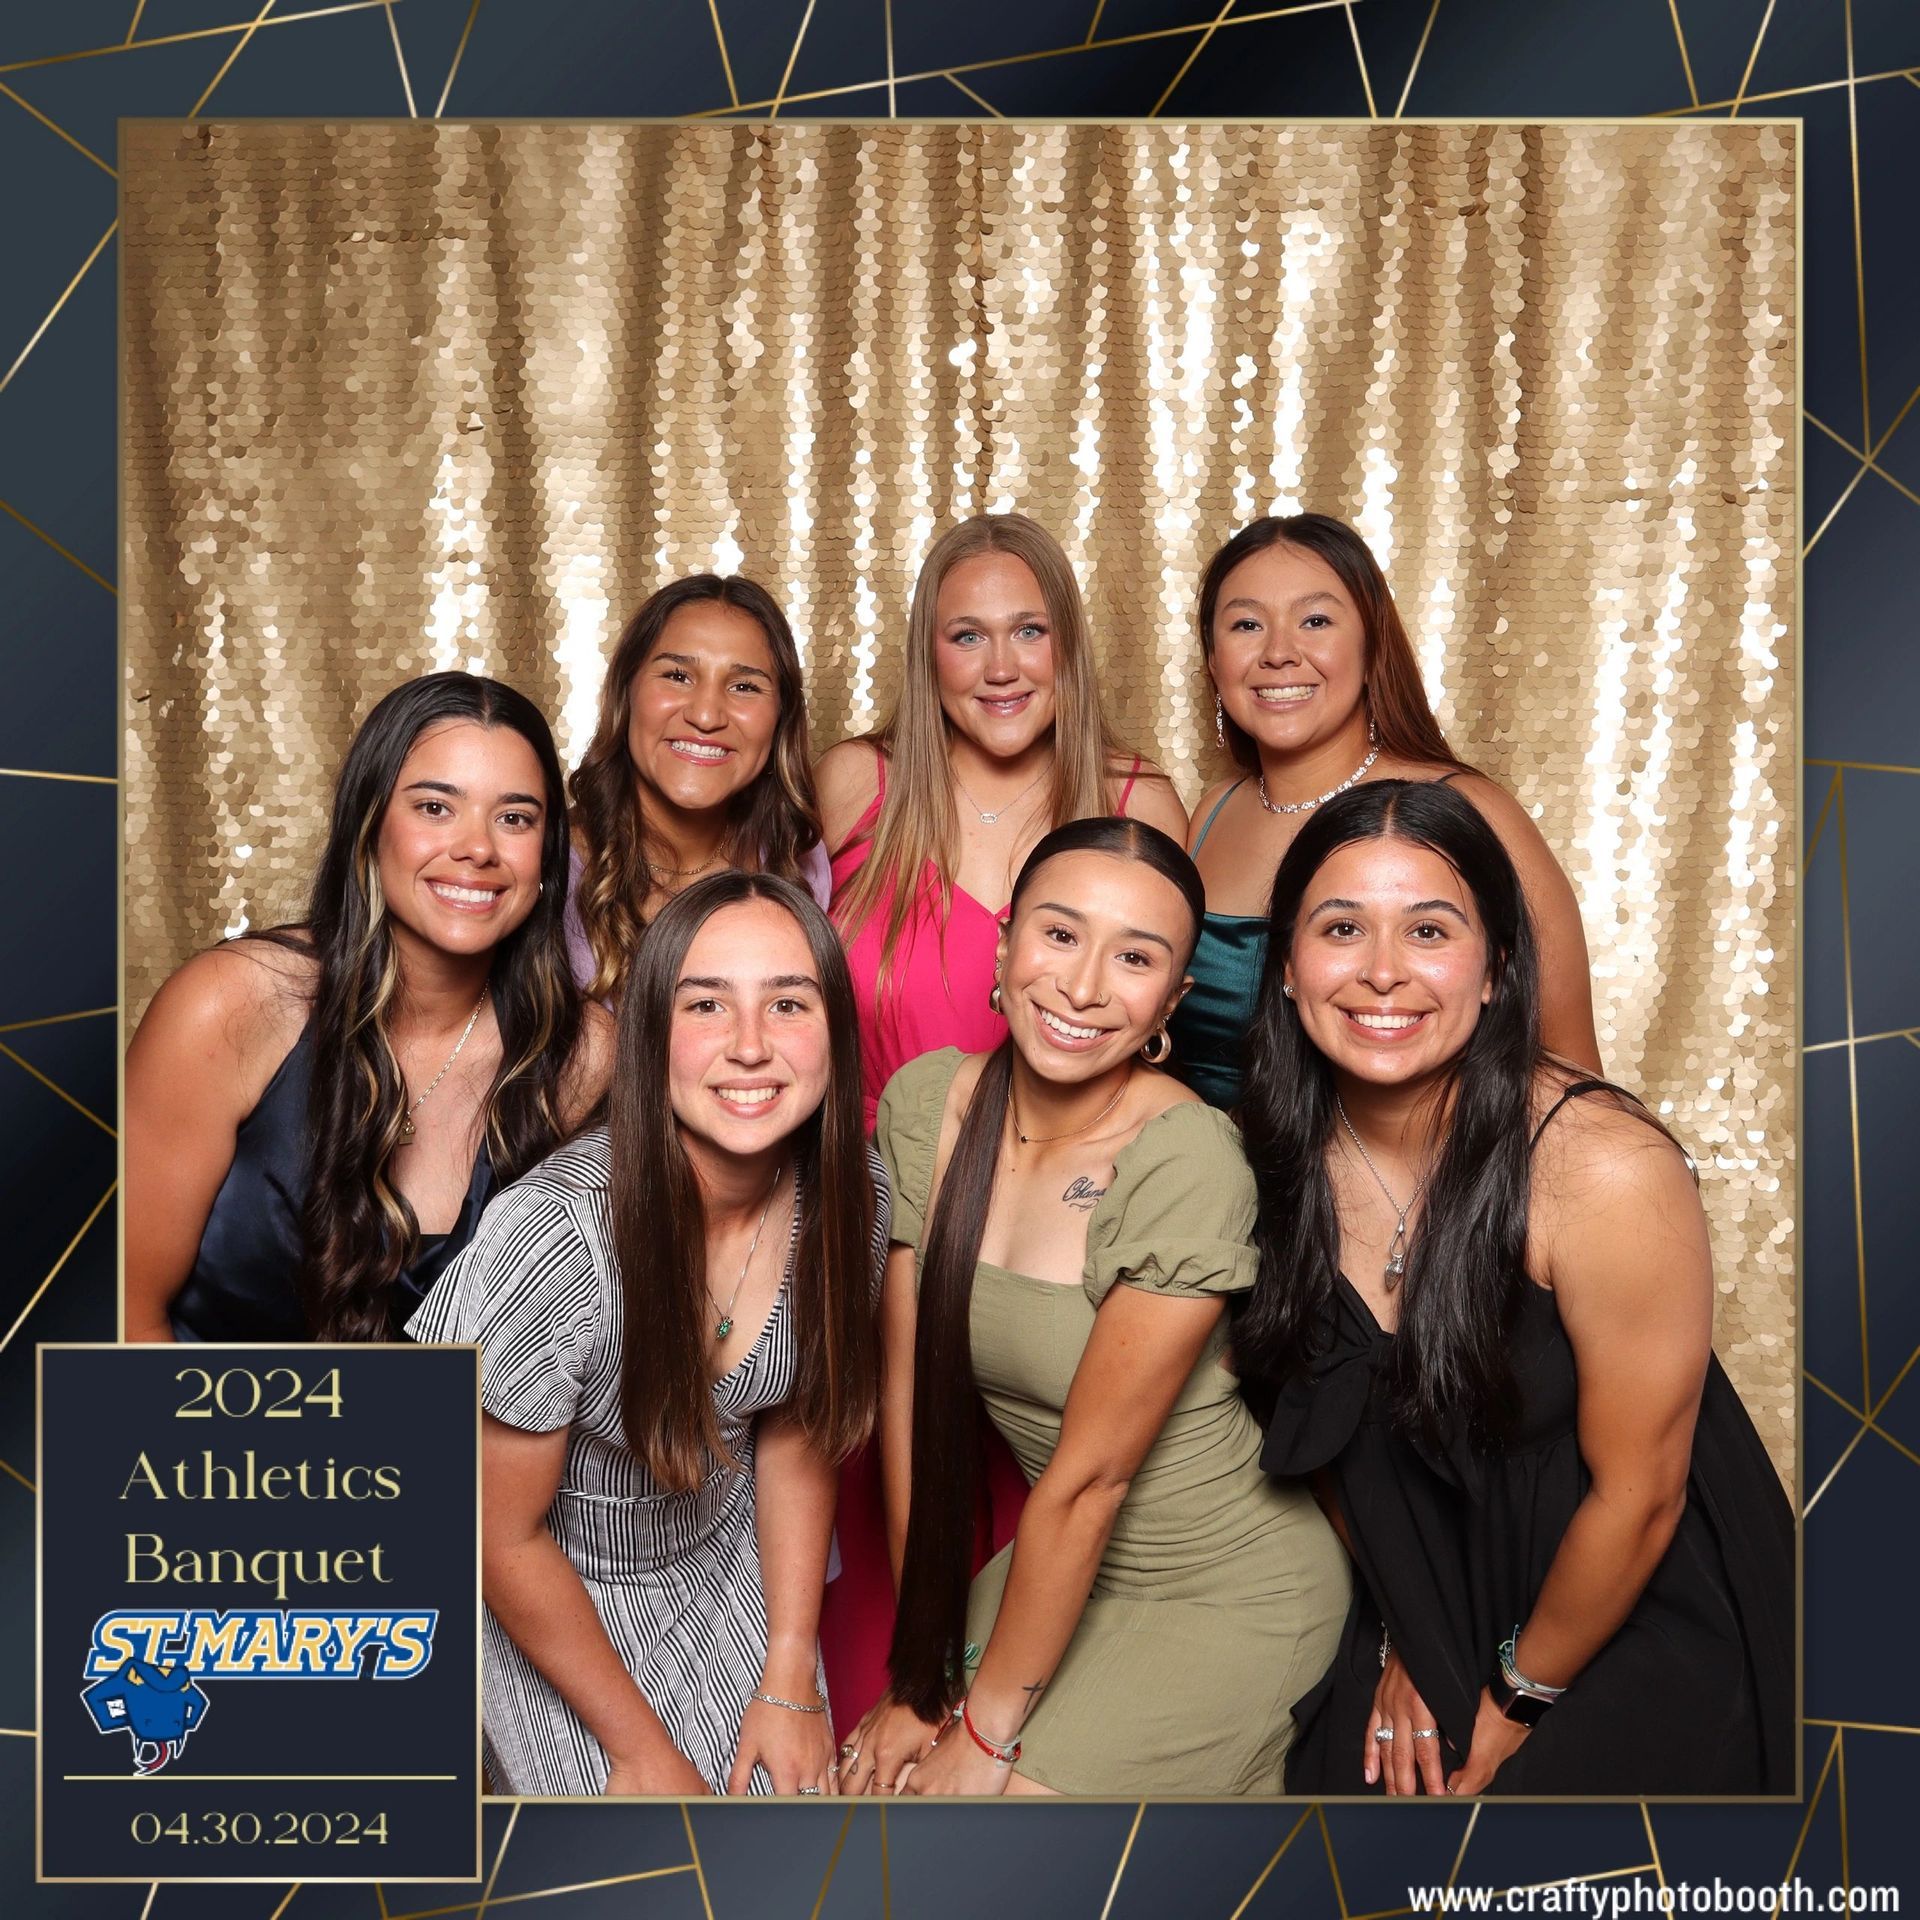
(1178, 1218)
(907, 1132)
(527, 1291)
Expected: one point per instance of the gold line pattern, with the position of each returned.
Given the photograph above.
(693, 1847)
(726, 64)
(140, 7)
(1862, 1039)
(1093, 27)
(806, 20)
(191, 33)
(1853, 1076)
(54, 127)
(513, 1819)
(1813, 1807)
(1686, 65)
(1864, 766)
(1782, 93)
(1859, 244)
(400, 55)
(893, 104)
(19, 1733)
(1819, 826)
(240, 47)
(1292, 1834)
(66, 1254)
(458, 52)
(1113, 1892)
(54, 1086)
(285, 1903)
(65, 553)
(1433, 13)
(1360, 54)
(14, 1472)
(98, 247)
(55, 1019)
(1861, 1726)
(886, 1869)
(1740, 92)
(1871, 465)
(535, 1893)
(833, 1860)
(1646, 1812)
(978, 99)
(1333, 1865)
(1199, 48)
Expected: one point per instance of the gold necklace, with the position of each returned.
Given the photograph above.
(681, 873)
(406, 1119)
(1040, 1139)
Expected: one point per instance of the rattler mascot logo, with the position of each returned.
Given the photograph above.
(144, 1669)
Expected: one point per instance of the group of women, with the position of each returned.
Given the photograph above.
(983, 1285)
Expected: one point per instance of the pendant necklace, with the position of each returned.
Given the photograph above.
(724, 1325)
(406, 1119)
(1397, 1246)
(1006, 806)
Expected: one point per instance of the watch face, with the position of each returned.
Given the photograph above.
(1524, 1708)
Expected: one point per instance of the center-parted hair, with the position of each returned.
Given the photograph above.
(930, 1624)
(659, 1225)
(1466, 1258)
(358, 1228)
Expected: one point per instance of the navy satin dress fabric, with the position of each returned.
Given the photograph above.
(245, 1279)
(1210, 1026)
(1694, 1694)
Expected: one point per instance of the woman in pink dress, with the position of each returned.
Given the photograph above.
(997, 737)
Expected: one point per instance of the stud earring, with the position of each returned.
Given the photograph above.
(1287, 990)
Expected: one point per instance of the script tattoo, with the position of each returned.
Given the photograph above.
(1083, 1194)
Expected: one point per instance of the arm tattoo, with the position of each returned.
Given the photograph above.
(1083, 1194)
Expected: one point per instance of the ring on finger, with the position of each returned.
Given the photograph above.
(1383, 1734)
(807, 1789)
(1426, 1733)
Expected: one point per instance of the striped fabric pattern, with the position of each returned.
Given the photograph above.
(675, 1577)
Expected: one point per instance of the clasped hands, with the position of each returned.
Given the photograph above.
(893, 1750)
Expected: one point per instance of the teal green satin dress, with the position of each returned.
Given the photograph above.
(1209, 1028)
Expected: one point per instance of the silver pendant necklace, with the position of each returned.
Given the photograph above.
(1397, 1246)
(1320, 800)
(406, 1119)
(724, 1325)
(1006, 806)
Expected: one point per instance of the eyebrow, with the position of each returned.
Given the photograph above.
(972, 620)
(1131, 933)
(460, 793)
(784, 982)
(1418, 906)
(688, 660)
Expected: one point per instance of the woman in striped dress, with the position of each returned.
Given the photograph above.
(676, 1320)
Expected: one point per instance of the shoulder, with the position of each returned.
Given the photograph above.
(1186, 1161)
(1152, 798)
(1518, 831)
(238, 1001)
(1209, 803)
(1602, 1156)
(846, 778)
(922, 1087)
(580, 1170)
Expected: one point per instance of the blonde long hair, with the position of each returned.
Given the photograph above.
(917, 820)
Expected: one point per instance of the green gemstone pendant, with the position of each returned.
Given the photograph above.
(724, 1328)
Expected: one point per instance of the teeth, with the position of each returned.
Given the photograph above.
(747, 1096)
(468, 896)
(694, 750)
(1060, 1026)
(1388, 1022)
(1283, 696)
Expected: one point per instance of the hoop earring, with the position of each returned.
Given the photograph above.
(994, 1001)
(1157, 1049)
(1219, 720)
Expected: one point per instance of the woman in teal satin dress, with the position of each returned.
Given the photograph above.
(1316, 689)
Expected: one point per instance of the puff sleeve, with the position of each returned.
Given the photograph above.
(907, 1132)
(1178, 1218)
(529, 1293)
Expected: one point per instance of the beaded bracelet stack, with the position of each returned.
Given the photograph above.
(1002, 1753)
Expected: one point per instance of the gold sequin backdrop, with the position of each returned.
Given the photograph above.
(405, 396)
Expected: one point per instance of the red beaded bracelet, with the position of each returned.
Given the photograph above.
(1003, 1756)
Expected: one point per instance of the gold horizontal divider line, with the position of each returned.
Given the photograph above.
(99, 247)
(978, 99)
(191, 33)
(53, 1086)
(1782, 93)
(239, 47)
(53, 126)
(400, 58)
(1862, 1039)
(19, 1733)
(99, 1206)
(1864, 766)
(1852, 1726)
(56, 1019)
(533, 1893)
(1292, 1834)
(14, 1473)
(458, 54)
(1025, 59)
(42, 773)
(65, 553)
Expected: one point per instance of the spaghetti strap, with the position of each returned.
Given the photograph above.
(1453, 773)
(1133, 773)
(1215, 814)
(862, 829)
(1574, 1090)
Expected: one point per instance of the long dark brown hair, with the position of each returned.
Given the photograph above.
(771, 823)
(930, 1625)
(358, 1228)
(1466, 1256)
(659, 1225)
(1395, 695)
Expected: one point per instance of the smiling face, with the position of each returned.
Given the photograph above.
(460, 842)
(703, 707)
(1092, 962)
(748, 1053)
(1390, 963)
(993, 653)
(1289, 649)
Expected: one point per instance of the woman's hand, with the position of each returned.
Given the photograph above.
(674, 1774)
(1407, 1762)
(955, 1765)
(1495, 1741)
(889, 1739)
(795, 1748)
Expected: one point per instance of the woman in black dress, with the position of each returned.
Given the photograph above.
(316, 1114)
(1485, 1307)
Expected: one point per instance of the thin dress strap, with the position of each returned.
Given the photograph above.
(1133, 773)
(1454, 774)
(1572, 1092)
(1215, 814)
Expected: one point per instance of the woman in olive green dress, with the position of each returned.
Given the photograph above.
(1069, 1224)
